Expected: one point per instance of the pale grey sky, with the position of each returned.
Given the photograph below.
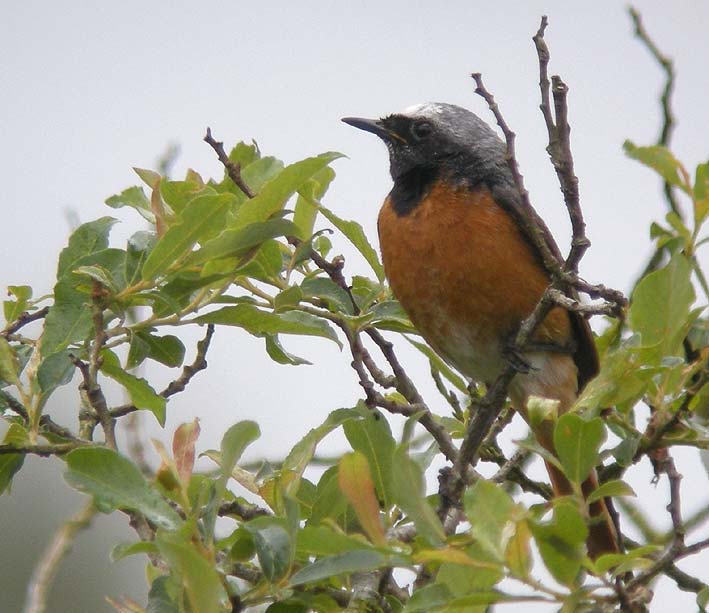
(91, 89)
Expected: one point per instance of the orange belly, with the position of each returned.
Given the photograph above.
(466, 277)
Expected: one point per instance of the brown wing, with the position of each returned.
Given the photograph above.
(585, 354)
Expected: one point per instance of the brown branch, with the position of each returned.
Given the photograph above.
(562, 275)
(41, 450)
(489, 407)
(179, 384)
(243, 510)
(374, 398)
(665, 62)
(676, 548)
(45, 421)
(23, 320)
(563, 162)
(529, 218)
(56, 551)
(233, 169)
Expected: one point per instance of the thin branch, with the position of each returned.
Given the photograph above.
(232, 168)
(668, 120)
(41, 450)
(563, 162)
(58, 549)
(23, 320)
(179, 384)
(243, 510)
(676, 548)
(374, 398)
(552, 261)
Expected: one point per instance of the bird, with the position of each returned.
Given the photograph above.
(467, 273)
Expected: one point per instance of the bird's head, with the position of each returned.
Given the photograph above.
(435, 134)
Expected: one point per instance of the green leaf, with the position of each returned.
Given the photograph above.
(355, 479)
(611, 560)
(159, 598)
(68, 320)
(621, 379)
(236, 242)
(701, 194)
(201, 218)
(577, 442)
(372, 437)
(134, 198)
(299, 457)
(610, 489)
(408, 489)
(9, 366)
(123, 550)
(87, 238)
(177, 194)
(288, 298)
(660, 305)
(116, 483)
(142, 395)
(12, 309)
(167, 350)
(462, 579)
(261, 323)
(703, 599)
(325, 541)
(137, 251)
(278, 354)
(336, 298)
(518, 554)
(54, 371)
(98, 274)
(149, 177)
(436, 362)
(355, 234)
(340, 564)
(311, 192)
(661, 160)
(273, 196)
(389, 315)
(490, 511)
(198, 576)
(561, 543)
(329, 501)
(274, 547)
(429, 598)
(234, 442)
(244, 154)
(11, 463)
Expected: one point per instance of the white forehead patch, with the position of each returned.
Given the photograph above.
(427, 109)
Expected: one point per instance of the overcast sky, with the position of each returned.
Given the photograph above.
(91, 89)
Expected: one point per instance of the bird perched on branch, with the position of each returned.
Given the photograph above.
(462, 264)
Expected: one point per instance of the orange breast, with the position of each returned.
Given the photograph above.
(465, 275)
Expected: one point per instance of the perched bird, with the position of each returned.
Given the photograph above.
(463, 269)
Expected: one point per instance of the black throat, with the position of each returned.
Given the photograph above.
(411, 187)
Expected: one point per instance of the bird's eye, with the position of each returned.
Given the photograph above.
(421, 129)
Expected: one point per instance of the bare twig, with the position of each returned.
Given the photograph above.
(668, 120)
(179, 384)
(45, 422)
(23, 320)
(41, 450)
(233, 169)
(58, 549)
(243, 510)
(374, 398)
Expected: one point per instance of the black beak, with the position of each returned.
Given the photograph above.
(375, 126)
(368, 125)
